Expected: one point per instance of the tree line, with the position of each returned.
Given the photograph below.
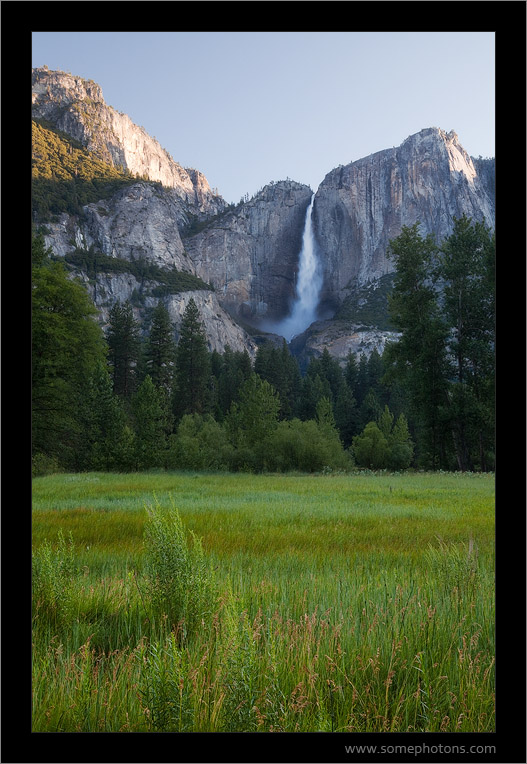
(121, 401)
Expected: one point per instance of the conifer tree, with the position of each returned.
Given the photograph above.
(124, 349)
(109, 440)
(469, 310)
(149, 424)
(419, 358)
(67, 344)
(401, 446)
(255, 415)
(192, 365)
(160, 350)
(346, 415)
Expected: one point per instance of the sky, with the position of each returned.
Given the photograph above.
(248, 108)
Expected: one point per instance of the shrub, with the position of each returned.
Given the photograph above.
(52, 573)
(455, 566)
(384, 445)
(200, 444)
(42, 464)
(180, 581)
(305, 446)
(370, 448)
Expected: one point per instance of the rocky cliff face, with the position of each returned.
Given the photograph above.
(140, 222)
(107, 288)
(340, 337)
(359, 207)
(77, 107)
(250, 255)
(170, 219)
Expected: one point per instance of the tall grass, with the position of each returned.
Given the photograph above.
(335, 604)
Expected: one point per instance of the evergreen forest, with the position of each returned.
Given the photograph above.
(137, 398)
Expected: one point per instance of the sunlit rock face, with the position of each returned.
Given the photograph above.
(250, 254)
(359, 207)
(76, 106)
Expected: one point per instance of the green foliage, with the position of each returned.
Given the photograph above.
(251, 421)
(443, 303)
(67, 344)
(305, 446)
(401, 445)
(200, 443)
(42, 464)
(180, 581)
(191, 392)
(384, 445)
(109, 442)
(123, 349)
(370, 448)
(149, 417)
(419, 358)
(467, 268)
(65, 176)
(169, 280)
(160, 351)
(278, 367)
(368, 304)
(230, 371)
(52, 572)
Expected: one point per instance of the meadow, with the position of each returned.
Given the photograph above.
(232, 602)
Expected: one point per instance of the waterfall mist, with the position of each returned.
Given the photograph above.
(309, 283)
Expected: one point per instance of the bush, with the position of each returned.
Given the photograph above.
(305, 446)
(52, 573)
(384, 445)
(180, 582)
(42, 464)
(200, 444)
(370, 448)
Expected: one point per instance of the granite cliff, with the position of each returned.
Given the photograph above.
(76, 106)
(250, 254)
(359, 207)
(165, 234)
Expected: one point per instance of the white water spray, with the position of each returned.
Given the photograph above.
(309, 282)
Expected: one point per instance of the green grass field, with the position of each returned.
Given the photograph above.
(360, 602)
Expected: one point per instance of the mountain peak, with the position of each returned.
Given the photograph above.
(76, 107)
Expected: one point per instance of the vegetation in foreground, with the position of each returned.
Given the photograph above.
(206, 602)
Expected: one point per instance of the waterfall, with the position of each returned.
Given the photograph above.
(309, 282)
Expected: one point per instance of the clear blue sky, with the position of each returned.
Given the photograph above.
(247, 108)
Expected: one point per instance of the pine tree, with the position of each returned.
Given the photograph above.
(192, 365)
(419, 358)
(346, 415)
(67, 344)
(109, 440)
(351, 371)
(469, 309)
(362, 381)
(255, 415)
(149, 424)
(401, 446)
(124, 349)
(160, 349)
